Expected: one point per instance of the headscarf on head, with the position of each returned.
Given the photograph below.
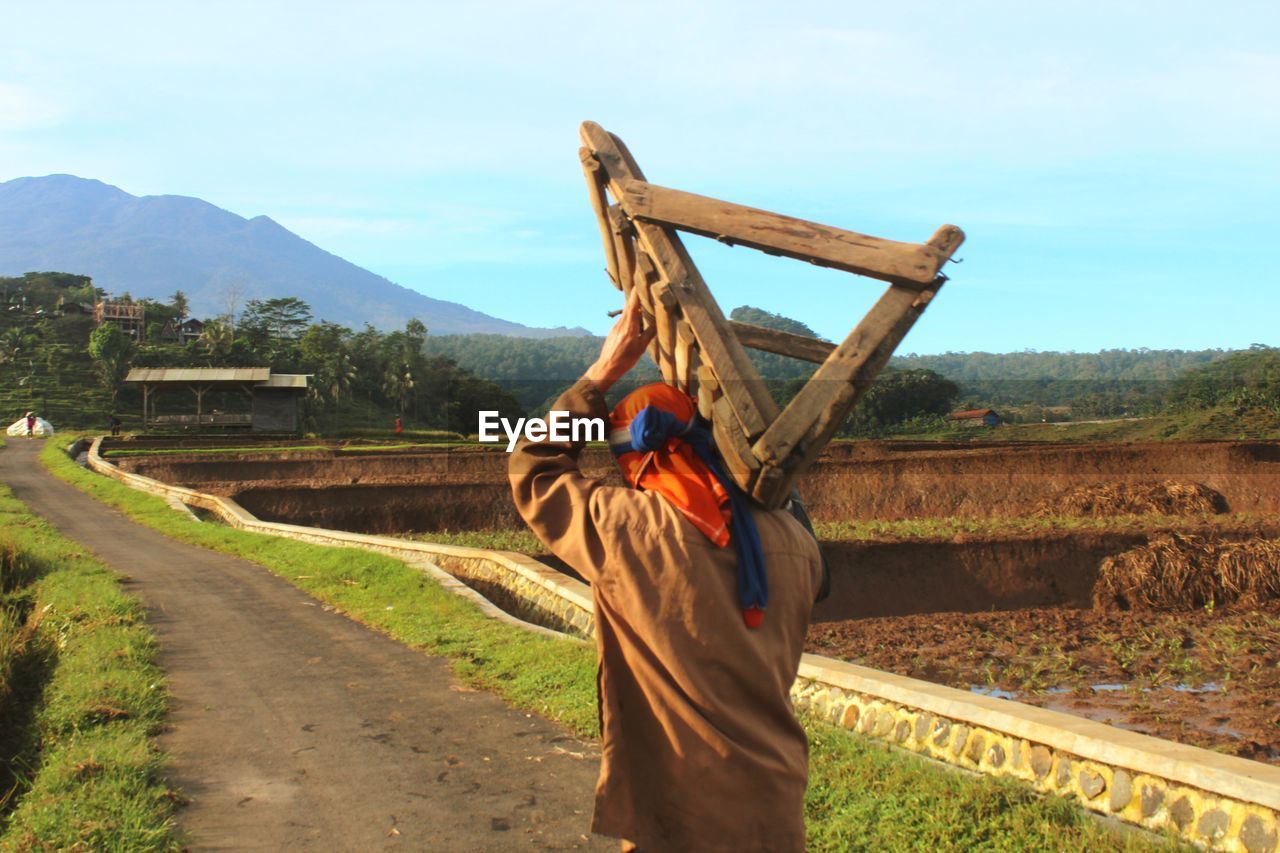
(663, 446)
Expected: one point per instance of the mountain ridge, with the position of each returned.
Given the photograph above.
(151, 246)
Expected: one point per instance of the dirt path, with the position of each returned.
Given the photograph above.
(296, 728)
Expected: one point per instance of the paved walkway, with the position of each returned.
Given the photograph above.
(294, 727)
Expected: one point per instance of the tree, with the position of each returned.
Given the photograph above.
(277, 320)
(231, 300)
(217, 341)
(769, 320)
(180, 305)
(397, 383)
(111, 350)
(14, 343)
(897, 396)
(324, 350)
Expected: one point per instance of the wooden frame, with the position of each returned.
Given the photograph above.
(698, 350)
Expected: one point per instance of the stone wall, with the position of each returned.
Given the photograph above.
(1221, 802)
(1213, 800)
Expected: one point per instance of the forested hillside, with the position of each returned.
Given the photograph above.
(53, 360)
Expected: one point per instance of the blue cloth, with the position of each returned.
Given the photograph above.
(650, 430)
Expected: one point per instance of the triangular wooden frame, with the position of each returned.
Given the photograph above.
(698, 350)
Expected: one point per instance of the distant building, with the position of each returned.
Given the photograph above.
(132, 319)
(190, 330)
(271, 398)
(182, 333)
(76, 309)
(976, 418)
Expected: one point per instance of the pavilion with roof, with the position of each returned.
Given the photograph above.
(272, 398)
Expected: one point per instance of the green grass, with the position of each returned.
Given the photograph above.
(861, 796)
(521, 541)
(352, 450)
(80, 698)
(864, 795)
(64, 397)
(196, 451)
(950, 527)
(1219, 423)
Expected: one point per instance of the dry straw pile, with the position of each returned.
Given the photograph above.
(1171, 497)
(1182, 571)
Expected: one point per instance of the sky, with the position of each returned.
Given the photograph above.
(1114, 165)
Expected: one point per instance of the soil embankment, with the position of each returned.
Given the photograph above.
(863, 480)
(1008, 611)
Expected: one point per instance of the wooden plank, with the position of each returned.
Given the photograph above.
(685, 350)
(773, 485)
(813, 415)
(625, 241)
(664, 306)
(645, 276)
(695, 364)
(708, 391)
(595, 176)
(731, 223)
(782, 343)
(751, 403)
(739, 462)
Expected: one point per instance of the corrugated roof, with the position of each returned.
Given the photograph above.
(285, 380)
(972, 413)
(199, 374)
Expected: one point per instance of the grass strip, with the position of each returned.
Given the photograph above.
(521, 541)
(923, 529)
(336, 449)
(953, 526)
(197, 451)
(861, 795)
(80, 698)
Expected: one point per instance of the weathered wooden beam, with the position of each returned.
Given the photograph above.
(686, 357)
(664, 304)
(739, 462)
(594, 174)
(816, 411)
(782, 343)
(850, 251)
(750, 401)
(708, 391)
(624, 239)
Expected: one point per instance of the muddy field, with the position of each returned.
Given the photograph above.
(1208, 679)
(961, 564)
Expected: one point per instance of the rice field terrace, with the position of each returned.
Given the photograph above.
(1134, 584)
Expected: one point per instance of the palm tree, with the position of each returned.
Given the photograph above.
(180, 305)
(397, 383)
(217, 340)
(334, 376)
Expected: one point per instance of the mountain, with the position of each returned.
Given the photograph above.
(151, 246)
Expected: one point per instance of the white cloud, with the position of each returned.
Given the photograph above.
(23, 109)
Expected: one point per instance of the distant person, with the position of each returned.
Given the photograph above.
(399, 426)
(31, 424)
(115, 426)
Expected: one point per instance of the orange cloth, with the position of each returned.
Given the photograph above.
(675, 473)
